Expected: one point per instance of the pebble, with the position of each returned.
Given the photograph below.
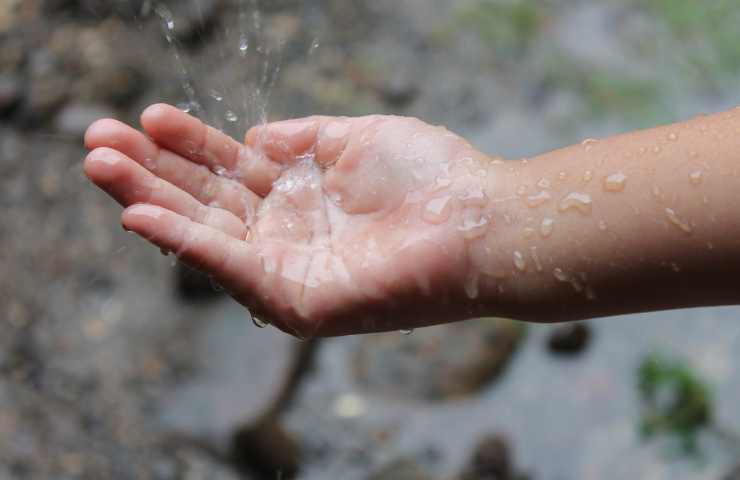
(75, 118)
(568, 339)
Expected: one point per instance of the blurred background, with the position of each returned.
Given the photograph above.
(116, 362)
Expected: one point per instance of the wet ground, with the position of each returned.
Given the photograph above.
(100, 360)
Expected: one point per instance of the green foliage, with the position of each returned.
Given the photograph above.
(508, 26)
(676, 402)
(706, 34)
(607, 92)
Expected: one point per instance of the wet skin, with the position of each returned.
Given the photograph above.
(331, 226)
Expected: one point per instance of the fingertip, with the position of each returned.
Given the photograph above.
(101, 164)
(284, 139)
(100, 130)
(159, 115)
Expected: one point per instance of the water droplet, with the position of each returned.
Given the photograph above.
(259, 323)
(657, 193)
(186, 107)
(528, 232)
(474, 197)
(657, 149)
(243, 45)
(642, 150)
(546, 227)
(438, 210)
(603, 226)
(216, 95)
(149, 164)
(615, 182)
(676, 220)
(534, 201)
(673, 136)
(521, 190)
(589, 143)
(588, 175)
(576, 201)
(471, 285)
(406, 331)
(536, 258)
(675, 267)
(696, 177)
(442, 182)
(562, 176)
(316, 44)
(519, 261)
(474, 225)
(231, 116)
(543, 183)
(215, 285)
(560, 275)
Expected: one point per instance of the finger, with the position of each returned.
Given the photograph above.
(233, 263)
(199, 143)
(197, 180)
(129, 183)
(325, 137)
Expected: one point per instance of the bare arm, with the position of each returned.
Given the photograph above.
(644, 221)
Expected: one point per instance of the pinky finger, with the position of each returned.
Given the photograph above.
(233, 263)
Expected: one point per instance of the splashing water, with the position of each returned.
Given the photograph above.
(228, 80)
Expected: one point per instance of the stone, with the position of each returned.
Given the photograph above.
(437, 363)
(48, 89)
(569, 339)
(266, 449)
(11, 93)
(74, 118)
(491, 460)
(733, 474)
(399, 89)
(117, 85)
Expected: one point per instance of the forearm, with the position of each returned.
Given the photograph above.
(644, 221)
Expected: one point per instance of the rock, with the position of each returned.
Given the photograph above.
(569, 339)
(11, 93)
(401, 469)
(399, 89)
(429, 365)
(48, 89)
(117, 85)
(267, 450)
(733, 474)
(491, 460)
(74, 118)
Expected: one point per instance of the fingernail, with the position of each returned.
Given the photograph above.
(105, 155)
(145, 211)
(291, 128)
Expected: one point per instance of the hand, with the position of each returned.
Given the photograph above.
(323, 226)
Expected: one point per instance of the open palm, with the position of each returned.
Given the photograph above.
(324, 226)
